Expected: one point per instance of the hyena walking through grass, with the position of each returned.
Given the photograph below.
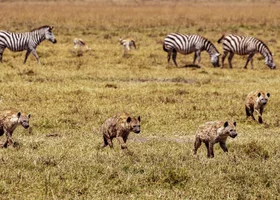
(255, 102)
(214, 132)
(119, 126)
(9, 121)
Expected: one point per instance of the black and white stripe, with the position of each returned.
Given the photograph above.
(25, 41)
(242, 45)
(186, 44)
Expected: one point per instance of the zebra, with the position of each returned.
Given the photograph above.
(242, 45)
(127, 44)
(26, 41)
(186, 44)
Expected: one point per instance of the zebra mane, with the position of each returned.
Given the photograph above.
(265, 46)
(212, 45)
(41, 27)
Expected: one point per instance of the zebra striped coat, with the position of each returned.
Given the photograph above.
(25, 41)
(242, 45)
(186, 44)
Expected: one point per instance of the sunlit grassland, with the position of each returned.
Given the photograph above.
(69, 97)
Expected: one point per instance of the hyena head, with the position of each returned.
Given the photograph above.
(49, 34)
(215, 60)
(230, 129)
(134, 124)
(262, 98)
(23, 119)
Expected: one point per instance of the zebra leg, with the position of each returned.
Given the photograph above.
(168, 57)
(198, 57)
(194, 58)
(230, 59)
(26, 55)
(223, 58)
(250, 58)
(1, 54)
(36, 56)
(174, 55)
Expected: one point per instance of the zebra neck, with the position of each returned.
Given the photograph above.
(39, 37)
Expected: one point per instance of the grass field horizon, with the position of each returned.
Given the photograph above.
(70, 96)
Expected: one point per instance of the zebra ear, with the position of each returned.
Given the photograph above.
(52, 27)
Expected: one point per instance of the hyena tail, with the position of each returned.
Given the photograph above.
(221, 39)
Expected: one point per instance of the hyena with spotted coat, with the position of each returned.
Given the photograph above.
(119, 126)
(255, 102)
(9, 121)
(214, 132)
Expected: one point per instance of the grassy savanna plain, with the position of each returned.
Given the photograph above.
(70, 96)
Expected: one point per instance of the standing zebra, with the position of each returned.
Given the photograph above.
(25, 41)
(242, 45)
(186, 44)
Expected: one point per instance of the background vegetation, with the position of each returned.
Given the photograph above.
(70, 96)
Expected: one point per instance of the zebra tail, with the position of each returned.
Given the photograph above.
(220, 40)
(163, 46)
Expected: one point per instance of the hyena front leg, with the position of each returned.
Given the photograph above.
(105, 143)
(197, 144)
(260, 116)
(9, 140)
(210, 150)
(223, 146)
(122, 143)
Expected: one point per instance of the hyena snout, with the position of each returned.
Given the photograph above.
(25, 125)
(233, 134)
(136, 129)
(264, 101)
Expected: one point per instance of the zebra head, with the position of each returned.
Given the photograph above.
(269, 62)
(49, 34)
(215, 59)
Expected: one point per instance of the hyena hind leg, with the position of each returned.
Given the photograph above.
(197, 144)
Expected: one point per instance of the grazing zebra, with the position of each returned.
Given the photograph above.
(25, 41)
(242, 45)
(80, 44)
(127, 44)
(186, 44)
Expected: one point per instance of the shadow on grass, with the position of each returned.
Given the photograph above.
(191, 66)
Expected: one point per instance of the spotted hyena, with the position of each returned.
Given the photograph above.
(9, 120)
(255, 102)
(214, 132)
(119, 127)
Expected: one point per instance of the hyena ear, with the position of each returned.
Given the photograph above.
(259, 94)
(18, 114)
(139, 119)
(225, 124)
(234, 123)
(29, 115)
(128, 120)
(268, 95)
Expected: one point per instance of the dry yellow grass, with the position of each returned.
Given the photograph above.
(69, 97)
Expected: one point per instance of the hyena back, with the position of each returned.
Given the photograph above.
(9, 121)
(119, 126)
(255, 102)
(214, 132)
